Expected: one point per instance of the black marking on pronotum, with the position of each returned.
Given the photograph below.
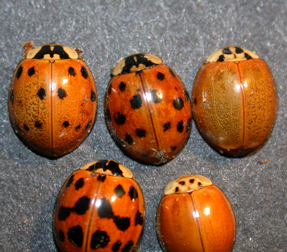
(247, 56)
(133, 193)
(139, 218)
(178, 103)
(66, 124)
(226, 50)
(128, 247)
(100, 239)
(238, 50)
(191, 181)
(155, 96)
(160, 76)
(46, 49)
(122, 86)
(140, 132)
(122, 223)
(119, 118)
(79, 183)
(176, 189)
(166, 126)
(105, 209)
(119, 191)
(61, 235)
(93, 96)
(38, 124)
(84, 72)
(116, 246)
(136, 102)
(221, 58)
(136, 60)
(61, 93)
(129, 140)
(72, 71)
(107, 165)
(75, 235)
(41, 93)
(11, 96)
(31, 71)
(181, 182)
(19, 72)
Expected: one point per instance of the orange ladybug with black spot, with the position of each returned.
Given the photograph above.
(99, 208)
(147, 109)
(52, 99)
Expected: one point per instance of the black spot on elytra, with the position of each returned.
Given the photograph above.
(58, 50)
(84, 72)
(26, 127)
(238, 50)
(181, 182)
(180, 126)
(128, 247)
(119, 118)
(176, 189)
(166, 126)
(75, 235)
(88, 125)
(136, 102)
(105, 209)
(191, 181)
(178, 103)
(122, 223)
(122, 86)
(64, 213)
(172, 72)
(61, 93)
(173, 148)
(61, 235)
(38, 124)
(41, 93)
(100, 239)
(108, 115)
(78, 127)
(247, 56)
(79, 184)
(226, 50)
(11, 96)
(93, 96)
(119, 191)
(116, 246)
(70, 180)
(221, 58)
(133, 193)
(72, 71)
(188, 125)
(31, 71)
(66, 124)
(186, 95)
(19, 72)
(140, 132)
(129, 140)
(82, 205)
(155, 96)
(139, 218)
(160, 76)
(101, 177)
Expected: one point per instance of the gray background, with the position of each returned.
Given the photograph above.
(184, 33)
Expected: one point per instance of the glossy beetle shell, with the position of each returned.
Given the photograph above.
(52, 99)
(195, 215)
(234, 101)
(99, 208)
(147, 109)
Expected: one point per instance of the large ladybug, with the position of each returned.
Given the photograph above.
(52, 99)
(234, 101)
(147, 109)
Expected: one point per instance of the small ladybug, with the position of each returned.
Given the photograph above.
(147, 109)
(100, 207)
(52, 99)
(234, 101)
(195, 215)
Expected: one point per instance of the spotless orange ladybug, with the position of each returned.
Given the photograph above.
(195, 215)
(234, 101)
(147, 109)
(99, 208)
(52, 99)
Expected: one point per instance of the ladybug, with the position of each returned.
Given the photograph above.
(52, 99)
(234, 101)
(99, 208)
(195, 215)
(147, 109)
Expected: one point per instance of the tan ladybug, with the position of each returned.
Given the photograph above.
(52, 99)
(147, 109)
(99, 208)
(234, 101)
